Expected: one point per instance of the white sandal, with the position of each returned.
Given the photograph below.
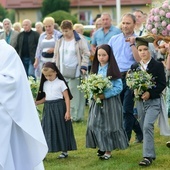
(105, 157)
(63, 155)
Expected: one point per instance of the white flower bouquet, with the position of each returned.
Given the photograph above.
(34, 85)
(139, 81)
(94, 85)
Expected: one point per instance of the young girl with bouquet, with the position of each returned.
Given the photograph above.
(56, 122)
(105, 123)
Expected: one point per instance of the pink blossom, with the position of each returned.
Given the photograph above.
(165, 32)
(156, 10)
(163, 23)
(168, 27)
(165, 5)
(168, 14)
(159, 19)
(162, 12)
(149, 20)
(149, 26)
(152, 18)
(157, 24)
(154, 31)
(152, 11)
(156, 18)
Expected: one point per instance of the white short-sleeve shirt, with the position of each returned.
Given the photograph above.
(53, 89)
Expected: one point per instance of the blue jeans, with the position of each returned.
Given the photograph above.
(129, 120)
(29, 68)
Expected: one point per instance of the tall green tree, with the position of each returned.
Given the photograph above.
(49, 6)
(3, 13)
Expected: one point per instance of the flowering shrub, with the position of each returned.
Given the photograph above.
(158, 22)
(94, 85)
(139, 81)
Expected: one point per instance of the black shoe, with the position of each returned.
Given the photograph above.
(168, 144)
(146, 162)
(100, 153)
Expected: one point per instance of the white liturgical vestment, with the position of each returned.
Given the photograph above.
(22, 142)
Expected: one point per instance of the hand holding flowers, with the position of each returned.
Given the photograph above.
(94, 85)
(140, 81)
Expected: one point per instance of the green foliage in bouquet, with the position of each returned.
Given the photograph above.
(139, 81)
(94, 85)
(34, 85)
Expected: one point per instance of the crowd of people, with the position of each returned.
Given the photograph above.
(60, 58)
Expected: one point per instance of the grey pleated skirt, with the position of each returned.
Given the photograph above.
(105, 126)
(58, 132)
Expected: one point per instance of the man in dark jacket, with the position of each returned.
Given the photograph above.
(26, 47)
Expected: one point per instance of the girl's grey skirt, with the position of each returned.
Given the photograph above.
(58, 132)
(105, 126)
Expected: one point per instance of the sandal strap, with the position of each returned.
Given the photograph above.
(145, 162)
(63, 155)
(105, 156)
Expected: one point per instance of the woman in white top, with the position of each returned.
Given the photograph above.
(46, 44)
(71, 52)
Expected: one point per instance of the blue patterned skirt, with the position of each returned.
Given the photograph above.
(58, 132)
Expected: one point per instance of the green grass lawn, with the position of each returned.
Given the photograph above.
(86, 159)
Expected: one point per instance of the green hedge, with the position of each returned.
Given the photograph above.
(60, 15)
(87, 33)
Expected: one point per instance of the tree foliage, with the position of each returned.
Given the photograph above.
(11, 15)
(49, 6)
(60, 15)
(3, 13)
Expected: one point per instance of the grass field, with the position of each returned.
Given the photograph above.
(86, 159)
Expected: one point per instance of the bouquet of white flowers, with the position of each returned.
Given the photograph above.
(34, 84)
(139, 81)
(94, 85)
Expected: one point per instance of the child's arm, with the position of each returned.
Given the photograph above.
(67, 100)
(40, 101)
(116, 89)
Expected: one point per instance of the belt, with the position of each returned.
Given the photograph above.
(47, 55)
(123, 74)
